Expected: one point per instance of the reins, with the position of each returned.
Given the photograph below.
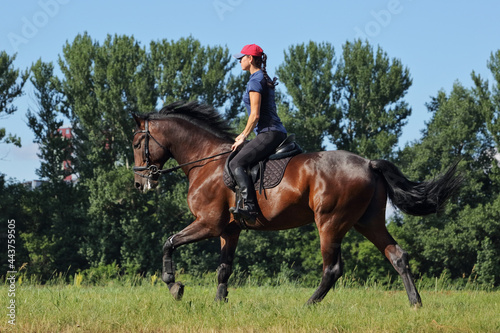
(201, 159)
(153, 169)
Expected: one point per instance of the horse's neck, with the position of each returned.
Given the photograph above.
(190, 143)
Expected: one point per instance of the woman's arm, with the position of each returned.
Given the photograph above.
(253, 119)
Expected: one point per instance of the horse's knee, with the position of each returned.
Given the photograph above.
(224, 272)
(168, 247)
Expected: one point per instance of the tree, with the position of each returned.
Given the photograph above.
(9, 90)
(103, 85)
(456, 130)
(307, 73)
(55, 149)
(490, 100)
(493, 118)
(186, 70)
(460, 241)
(13, 213)
(54, 234)
(371, 106)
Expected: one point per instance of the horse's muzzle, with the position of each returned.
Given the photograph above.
(145, 183)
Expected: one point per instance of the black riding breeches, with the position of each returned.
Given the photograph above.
(257, 149)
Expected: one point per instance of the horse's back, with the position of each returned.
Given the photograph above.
(335, 165)
(334, 180)
(318, 184)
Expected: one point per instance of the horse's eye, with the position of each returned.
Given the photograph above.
(137, 145)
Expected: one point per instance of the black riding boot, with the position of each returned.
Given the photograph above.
(246, 188)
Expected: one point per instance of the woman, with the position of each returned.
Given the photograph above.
(263, 119)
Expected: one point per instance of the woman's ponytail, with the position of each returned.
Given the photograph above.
(261, 63)
(271, 83)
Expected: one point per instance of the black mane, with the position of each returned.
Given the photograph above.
(201, 115)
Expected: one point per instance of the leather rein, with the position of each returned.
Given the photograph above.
(154, 169)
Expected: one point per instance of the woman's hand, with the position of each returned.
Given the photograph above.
(240, 139)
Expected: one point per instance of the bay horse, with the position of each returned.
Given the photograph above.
(337, 190)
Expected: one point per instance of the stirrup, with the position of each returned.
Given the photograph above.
(246, 220)
(244, 217)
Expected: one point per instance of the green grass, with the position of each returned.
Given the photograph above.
(119, 306)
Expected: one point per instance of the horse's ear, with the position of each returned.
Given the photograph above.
(137, 120)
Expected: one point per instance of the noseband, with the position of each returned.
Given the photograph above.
(154, 169)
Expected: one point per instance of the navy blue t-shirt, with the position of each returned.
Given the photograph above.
(268, 120)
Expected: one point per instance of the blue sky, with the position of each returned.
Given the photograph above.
(440, 42)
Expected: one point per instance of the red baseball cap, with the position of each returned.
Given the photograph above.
(250, 49)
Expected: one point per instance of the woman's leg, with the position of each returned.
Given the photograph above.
(257, 150)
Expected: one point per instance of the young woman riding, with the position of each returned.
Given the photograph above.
(259, 99)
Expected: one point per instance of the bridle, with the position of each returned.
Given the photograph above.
(153, 169)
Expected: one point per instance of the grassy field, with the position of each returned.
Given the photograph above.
(148, 307)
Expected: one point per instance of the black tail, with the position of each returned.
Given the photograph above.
(417, 198)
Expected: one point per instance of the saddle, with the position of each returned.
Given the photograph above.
(269, 172)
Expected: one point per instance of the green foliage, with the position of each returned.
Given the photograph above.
(55, 149)
(186, 70)
(52, 229)
(103, 85)
(372, 109)
(493, 117)
(10, 89)
(12, 211)
(463, 240)
(484, 233)
(307, 73)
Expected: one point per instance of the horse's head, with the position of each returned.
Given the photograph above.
(149, 153)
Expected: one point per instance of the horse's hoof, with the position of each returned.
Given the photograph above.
(177, 290)
(221, 295)
(416, 306)
(221, 299)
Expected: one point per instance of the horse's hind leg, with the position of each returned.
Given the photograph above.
(332, 271)
(400, 260)
(332, 263)
(376, 231)
(229, 240)
(372, 226)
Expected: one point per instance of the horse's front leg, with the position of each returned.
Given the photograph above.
(168, 274)
(195, 232)
(229, 241)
